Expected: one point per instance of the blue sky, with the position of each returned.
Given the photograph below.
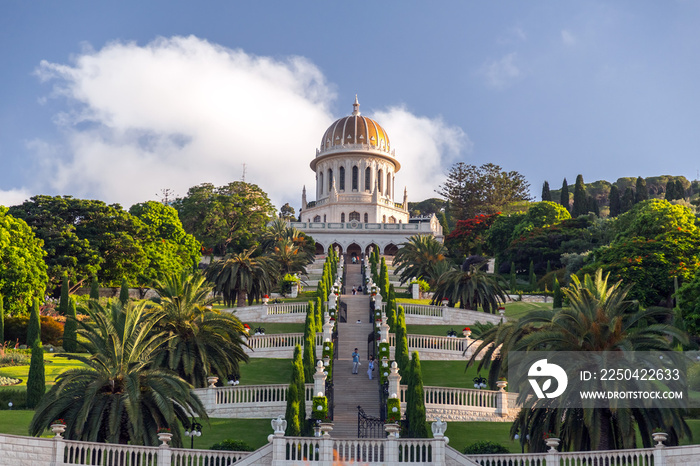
(118, 101)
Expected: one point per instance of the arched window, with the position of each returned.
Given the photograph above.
(368, 179)
(366, 218)
(342, 217)
(355, 176)
(354, 216)
(388, 184)
(330, 180)
(317, 218)
(384, 219)
(379, 180)
(320, 182)
(324, 218)
(392, 219)
(341, 181)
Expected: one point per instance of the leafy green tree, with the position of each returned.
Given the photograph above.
(628, 200)
(287, 213)
(593, 206)
(470, 288)
(401, 350)
(200, 341)
(564, 195)
(124, 292)
(680, 189)
(670, 194)
(641, 192)
(70, 330)
(36, 380)
(426, 207)
(418, 258)
(227, 219)
(290, 258)
(94, 288)
(34, 325)
(546, 194)
(63, 303)
(22, 269)
(580, 198)
(238, 276)
(600, 317)
(487, 189)
(688, 301)
(121, 396)
(415, 405)
(615, 201)
(296, 397)
(2, 320)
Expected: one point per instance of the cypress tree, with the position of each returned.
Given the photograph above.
(593, 206)
(124, 292)
(513, 277)
(319, 304)
(549, 268)
(309, 359)
(580, 199)
(564, 196)
(36, 380)
(297, 407)
(94, 288)
(401, 351)
(70, 331)
(546, 194)
(34, 325)
(384, 279)
(670, 190)
(615, 206)
(642, 194)
(2, 321)
(291, 414)
(680, 190)
(627, 200)
(63, 303)
(558, 298)
(415, 408)
(533, 277)
(391, 310)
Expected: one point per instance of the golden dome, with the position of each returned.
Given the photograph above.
(355, 130)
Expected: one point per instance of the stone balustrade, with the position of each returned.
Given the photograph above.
(280, 312)
(636, 457)
(466, 404)
(101, 453)
(438, 348)
(278, 345)
(423, 314)
(249, 401)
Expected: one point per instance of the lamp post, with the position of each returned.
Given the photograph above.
(195, 431)
(234, 379)
(9, 405)
(479, 381)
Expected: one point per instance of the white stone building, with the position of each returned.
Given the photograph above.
(354, 209)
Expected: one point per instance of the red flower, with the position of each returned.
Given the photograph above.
(466, 329)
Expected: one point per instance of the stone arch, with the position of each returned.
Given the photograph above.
(391, 249)
(317, 218)
(339, 246)
(354, 215)
(342, 217)
(370, 247)
(354, 250)
(392, 219)
(320, 249)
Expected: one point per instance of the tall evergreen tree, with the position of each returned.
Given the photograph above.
(564, 195)
(401, 351)
(36, 380)
(415, 403)
(63, 303)
(34, 325)
(291, 414)
(546, 194)
(94, 288)
(296, 398)
(580, 199)
(309, 359)
(641, 192)
(593, 206)
(2, 321)
(549, 268)
(627, 200)
(615, 201)
(124, 292)
(533, 277)
(680, 190)
(557, 300)
(70, 331)
(384, 279)
(391, 310)
(670, 193)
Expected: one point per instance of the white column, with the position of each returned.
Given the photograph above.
(394, 381)
(319, 380)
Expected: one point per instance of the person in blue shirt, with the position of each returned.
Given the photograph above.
(355, 361)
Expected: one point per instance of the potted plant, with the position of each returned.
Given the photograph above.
(393, 416)
(466, 331)
(502, 383)
(659, 436)
(246, 328)
(164, 435)
(445, 302)
(551, 440)
(58, 427)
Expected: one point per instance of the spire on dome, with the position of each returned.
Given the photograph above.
(356, 107)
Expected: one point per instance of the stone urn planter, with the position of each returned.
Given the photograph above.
(552, 443)
(392, 430)
(466, 332)
(659, 438)
(165, 437)
(58, 429)
(502, 384)
(211, 380)
(266, 299)
(326, 428)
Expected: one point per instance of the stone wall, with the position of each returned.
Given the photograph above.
(26, 451)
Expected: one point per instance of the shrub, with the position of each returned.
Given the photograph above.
(393, 408)
(232, 445)
(694, 377)
(14, 358)
(17, 396)
(36, 382)
(422, 285)
(322, 403)
(16, 330)
(485, 447)
(328, 351)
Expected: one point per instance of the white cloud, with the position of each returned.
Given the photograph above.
(567, 37)
(13, 197)
(425, 147)
(501, 73)
(182, 111)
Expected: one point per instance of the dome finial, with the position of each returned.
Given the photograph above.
(356, 107)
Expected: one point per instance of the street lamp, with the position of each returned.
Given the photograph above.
(195, 431)
(234, 379)
(9, 405)
(479, 381)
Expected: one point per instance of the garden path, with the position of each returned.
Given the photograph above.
(353, 390)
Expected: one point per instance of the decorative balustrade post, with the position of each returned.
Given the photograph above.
(502, 399)
(326, 451)
(394, 380)
(327, 327)
(59, 447)
(320, 379)
(439, 441)
(279, 455)
(378, 302)
(165, 455)
(384, 330)
(391, 450)
(332, 301)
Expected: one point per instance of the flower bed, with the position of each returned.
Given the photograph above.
(5, 381)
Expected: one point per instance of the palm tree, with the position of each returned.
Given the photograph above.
(201, 341)
(471, 289)
(290, 258)
(240, 275)
(121, 396)
(600, 318)
(418, 258)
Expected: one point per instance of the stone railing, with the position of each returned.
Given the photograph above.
(248, 401)
(438, 348)
(281, 312)
(465, 404)
(278, 345)
(637, 457)
(423, 314)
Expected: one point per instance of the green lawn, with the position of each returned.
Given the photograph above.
(514, 309)
(54, 364)
(261, 371)
(449, 374)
